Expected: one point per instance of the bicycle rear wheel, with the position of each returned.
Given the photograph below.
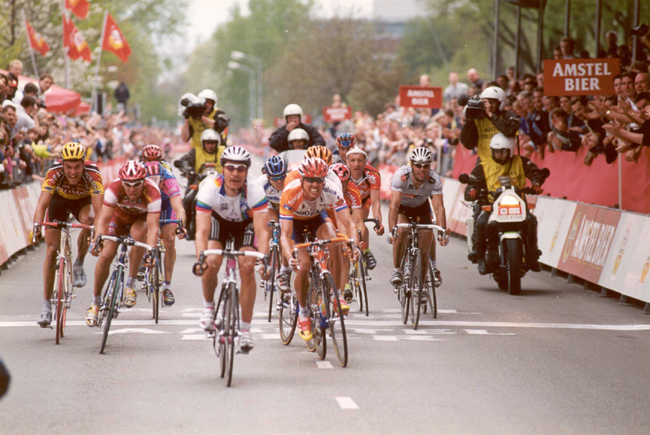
(431, 290)
(219, 343)
(318, 343)
(288, 316)
(415, 285)
(363, 292)
(154, 283)
(271, 284)
(402, 292)
(335, 320)
(109, 302)
(233, 327)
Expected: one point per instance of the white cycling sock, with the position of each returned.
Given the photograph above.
(434, 264)
(245, 326)
(207, 304)
(97, 300)
(130, 282)
(396, 269)
(285, 269)
(303, 312)
(47, 305)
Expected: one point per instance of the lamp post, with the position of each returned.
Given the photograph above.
(251, 87)
(238, 55)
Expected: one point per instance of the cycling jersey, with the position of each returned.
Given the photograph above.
(294, 205)
(331, 176)
(370, 180)
(148, 202)
(272, 194)
(164, 179)
(90, 183)
(353, 196)
(212, 198)
(412, 197)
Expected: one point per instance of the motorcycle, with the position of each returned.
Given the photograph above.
(194, 181)
(508, 215)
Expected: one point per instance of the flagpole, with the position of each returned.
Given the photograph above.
(99, 59)
(29, 42)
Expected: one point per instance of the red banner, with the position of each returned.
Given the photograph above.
(337, 114)
(386, 172)
(78, 7)
(114, 40)
(75, 41)
(420, 97)
(36, 41)
(574, 77)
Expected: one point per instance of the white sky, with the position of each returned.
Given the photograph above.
(205, 15)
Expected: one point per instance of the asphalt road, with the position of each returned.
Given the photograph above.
(557, 359)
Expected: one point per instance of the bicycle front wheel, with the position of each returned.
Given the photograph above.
(288, 316)
(271, 284)
(362, 275)
(233, 320)
(403, 294)
(431, 290)
(415, 285)
(154, 286)
(110, 301)
(336, 322)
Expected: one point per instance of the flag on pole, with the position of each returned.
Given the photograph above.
(36, 41)
(114, 39)
(75, 41)
(78, 7)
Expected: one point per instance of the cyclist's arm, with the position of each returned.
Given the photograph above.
(177, 205)
(261, 228)
(101, 224)
(203, 226)
(357, 218)
(344, 221)
(286, 231)
(439, 209)
(393, 208)
(376, 205)
(97, 201)
(41, 206)
(152, 228)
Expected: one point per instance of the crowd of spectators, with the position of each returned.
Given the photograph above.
(31, 137)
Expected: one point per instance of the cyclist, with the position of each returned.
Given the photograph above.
(273, 181)
(318, 152)
(171, 207)
(368, 179)
(131, 206)
(411, 189)
(344, 142)
(303, 207)
(232, 204)
(212, 118)
(279, 139)
(71, 185)
(352, 197)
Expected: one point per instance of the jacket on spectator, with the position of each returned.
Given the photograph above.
(278, 140)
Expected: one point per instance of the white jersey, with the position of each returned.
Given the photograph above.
(294, 205)
(212, 198)
(412, 197)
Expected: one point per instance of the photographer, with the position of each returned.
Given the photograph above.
(485, 119)
(201, 113)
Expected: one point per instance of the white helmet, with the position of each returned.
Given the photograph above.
(293, 109)
(298, 134)
(493, 93)
(208, 94)
(236, 154)
(500, 142)
(420, 155)
(210, 134)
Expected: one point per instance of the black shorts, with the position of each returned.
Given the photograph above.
(310, 226)
(420, 214)
(60, 207)
(222, 230)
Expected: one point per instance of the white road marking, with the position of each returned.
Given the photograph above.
(271, 336)
(324, 364)
(347, 403)
(134, 331)
(371, 331)
(191, 330)
(384, 337)
(429, 332)
(195, 337)
(421, 338)
(484, 332)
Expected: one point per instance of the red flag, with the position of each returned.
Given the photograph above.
(114, 40)
(75, 41)
(36, 41)
(78, 7)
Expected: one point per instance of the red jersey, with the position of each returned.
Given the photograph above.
(370, 180)
(148, 202)
(353, 196)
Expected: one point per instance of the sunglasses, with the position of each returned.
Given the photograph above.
(318, 180)
(132, 183)
(279, 177)
(238, 168)
(421, 166)
(346, 144)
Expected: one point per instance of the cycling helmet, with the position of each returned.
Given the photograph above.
(73, 151)
(356, 150)
(345, 140)
(208, 94)
(293, 109)
(152, 152)
(320, 152)
(236, 154)
(313, 167)
(298, 134)
(493, 93)
(341, 171)
(210, 134)
(275, 166)
(421, 155)
(132, 171)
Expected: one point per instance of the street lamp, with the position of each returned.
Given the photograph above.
(251, 87)
(238, 55)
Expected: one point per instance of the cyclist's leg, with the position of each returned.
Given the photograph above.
(169, 241)
(336, 259)
(52, 241)
(365, 233)
(84, 215)
(245, 241)
(102, 268)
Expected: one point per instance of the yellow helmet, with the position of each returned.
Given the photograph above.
(73, 151)
(320, 152)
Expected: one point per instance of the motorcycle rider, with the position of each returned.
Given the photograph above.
(193, 163)
(485, 179)
(279, 139)
(213, 118)
(477, 133)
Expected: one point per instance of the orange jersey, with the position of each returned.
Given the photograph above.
(353, 196)
(370, 180)
(89, 185)
(294, 205)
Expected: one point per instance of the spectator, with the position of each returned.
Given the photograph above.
(15, 68)
(474, 79)
(122, 94)
(455, 88)
(561, 138)
(567, 45)
(642, 82)
(557, 53)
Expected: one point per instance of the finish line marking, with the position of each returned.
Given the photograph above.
(347, 403)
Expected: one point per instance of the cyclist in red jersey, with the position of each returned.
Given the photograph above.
(368, 180)
(74, 186)
(131, 205)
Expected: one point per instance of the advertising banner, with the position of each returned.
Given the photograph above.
(575, 77)
(554, 221)
(337, 114)
(420, 97)
(588, 242)
(386, 172)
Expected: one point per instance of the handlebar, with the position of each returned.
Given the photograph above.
(57, 225)
(320, 243)
(178, 222)
(124, 240)
(375, 221)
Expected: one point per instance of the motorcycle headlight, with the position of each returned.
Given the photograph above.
(509, 200)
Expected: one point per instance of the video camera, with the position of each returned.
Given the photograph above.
(191, 106)
(474, 106)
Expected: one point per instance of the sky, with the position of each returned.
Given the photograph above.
(205, 15)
